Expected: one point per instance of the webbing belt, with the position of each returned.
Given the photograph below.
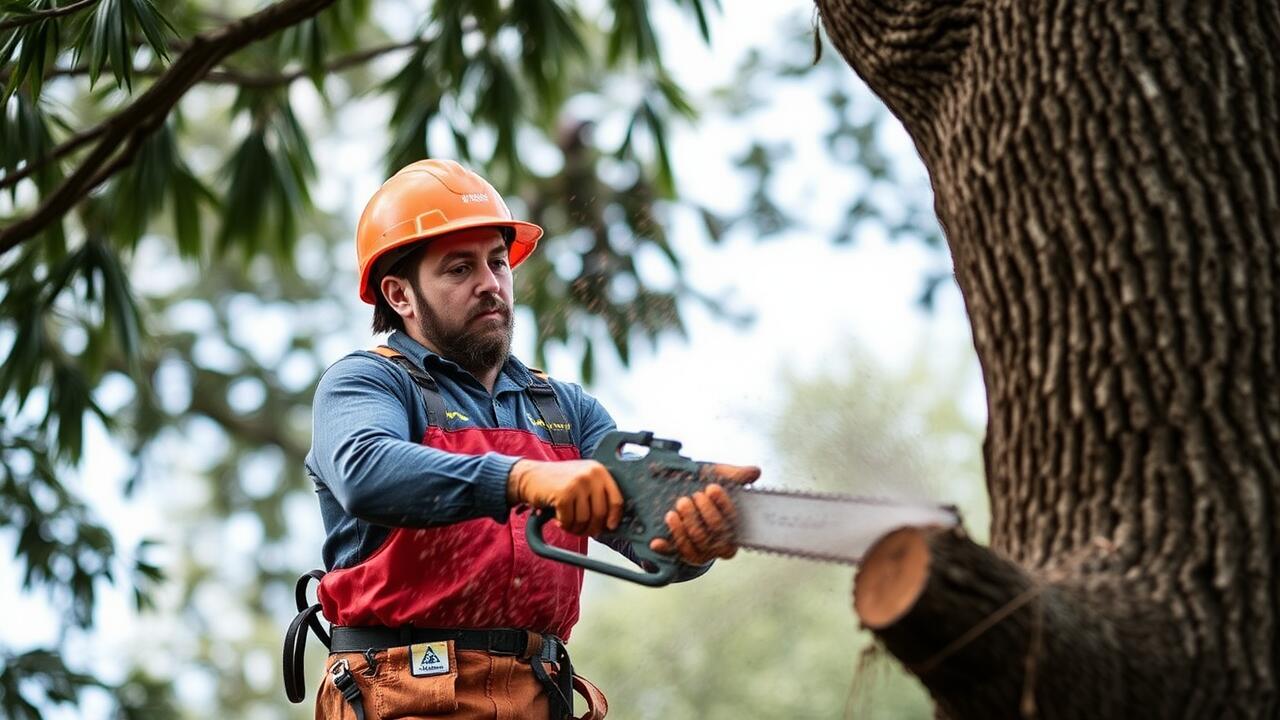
(537, 649)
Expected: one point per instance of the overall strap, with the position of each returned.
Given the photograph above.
(426, 384)
(544, 399)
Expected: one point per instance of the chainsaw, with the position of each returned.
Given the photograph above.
(652, 474)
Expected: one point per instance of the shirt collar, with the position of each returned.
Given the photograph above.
(515, 375)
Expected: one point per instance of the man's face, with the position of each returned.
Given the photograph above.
(464, 296)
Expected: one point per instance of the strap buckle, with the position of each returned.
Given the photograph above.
(340, 674)
(542, 388)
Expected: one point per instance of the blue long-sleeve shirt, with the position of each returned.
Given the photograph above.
(373, 474)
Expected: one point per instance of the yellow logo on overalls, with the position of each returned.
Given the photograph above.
(453, 415)
(548, 426)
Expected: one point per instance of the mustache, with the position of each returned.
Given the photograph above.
(493, 304)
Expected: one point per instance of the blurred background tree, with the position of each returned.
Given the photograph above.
(180, 181)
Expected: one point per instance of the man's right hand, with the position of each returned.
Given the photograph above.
(586, 498)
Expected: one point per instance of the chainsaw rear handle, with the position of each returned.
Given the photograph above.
(650, 485)
(663, 575)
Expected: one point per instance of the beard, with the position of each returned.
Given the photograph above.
(474, 350)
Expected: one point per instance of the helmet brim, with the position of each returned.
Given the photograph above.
(524, 241)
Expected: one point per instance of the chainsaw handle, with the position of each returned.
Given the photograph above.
(665, 573)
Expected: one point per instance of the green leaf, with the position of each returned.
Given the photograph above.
(247, 199)
(106, 38)
(715, 225)
(186, 194)
(446, 56)
(68, 394)
(587, 367)
(674, 96)
(269, 175)
(340, 21)
(619, 333)
(155, 27)
(37, 45)
(139, 191)
(25, 138)
(417, 101)
(549, 41)
(632, 32)
(499, 104)
(45, 672)
(21, 370)
(103, 39)
(657, 131)
(120, 308)
(307, 42)
(700, 13)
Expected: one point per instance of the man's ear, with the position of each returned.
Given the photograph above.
(398, 294)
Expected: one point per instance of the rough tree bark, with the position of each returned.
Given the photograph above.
(1108, 178)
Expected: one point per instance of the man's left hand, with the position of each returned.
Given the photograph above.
(702, 526)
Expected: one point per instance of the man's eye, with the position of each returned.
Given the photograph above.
(458, 270)
(498, 263)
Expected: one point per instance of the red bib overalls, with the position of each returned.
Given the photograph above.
(476, 574)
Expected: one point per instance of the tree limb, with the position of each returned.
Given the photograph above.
(131, 125)
(989, 639)
(226, 76)
(70, 145)
(37, 15)
(338, 64)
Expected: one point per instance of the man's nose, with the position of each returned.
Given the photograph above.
(488, 281)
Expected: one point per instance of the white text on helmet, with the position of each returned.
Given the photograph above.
(474, 197)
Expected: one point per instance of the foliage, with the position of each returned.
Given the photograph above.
(175, 219)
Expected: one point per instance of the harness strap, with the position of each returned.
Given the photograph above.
(540, 392)
(342, 678)
(597, 703)
(560, 688)
(544, 399)
(426, 384)
(295, 638)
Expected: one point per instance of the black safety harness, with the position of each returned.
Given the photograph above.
(369, 640)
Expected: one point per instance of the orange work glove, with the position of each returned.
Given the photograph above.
(702, 527)
(586, 499)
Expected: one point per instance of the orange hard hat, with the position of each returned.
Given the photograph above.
(427, 199)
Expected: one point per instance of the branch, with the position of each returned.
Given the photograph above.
(129, 127)
(229, 77)
(990, 640)
(338, 64)
(36, 15)
(68, 146)
(234, 77)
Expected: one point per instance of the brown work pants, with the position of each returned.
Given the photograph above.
(477, 686)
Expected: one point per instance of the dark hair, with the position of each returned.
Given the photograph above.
(405, 267)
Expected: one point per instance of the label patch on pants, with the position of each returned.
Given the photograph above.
(427, 659)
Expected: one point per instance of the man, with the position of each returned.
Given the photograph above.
(428, 455)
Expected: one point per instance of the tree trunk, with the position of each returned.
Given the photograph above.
(1108, 177)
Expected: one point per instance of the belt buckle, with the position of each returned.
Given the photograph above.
(339, 668)
(551, 649)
